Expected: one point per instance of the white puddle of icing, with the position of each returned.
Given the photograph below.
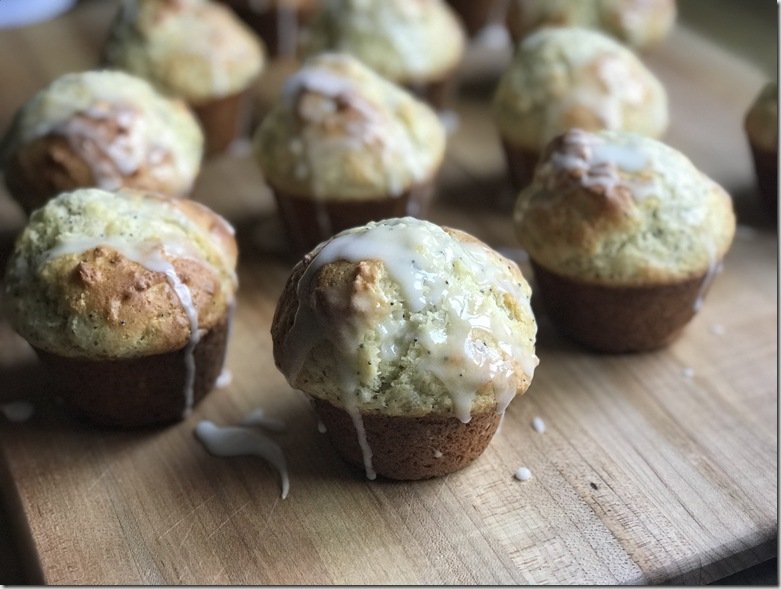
(523, 474)
(240, 441)
(224, 379)
(152, 258)
(17, 411)
(538, 425)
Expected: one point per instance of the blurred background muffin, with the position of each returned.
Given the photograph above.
(411, 340)
(344, 146)
(637, 23)
(126, 297)
(414, 43)
(761, 125)
(625, 236)
(197, 50)
(105, 129)
(278, 22)
(565, 77)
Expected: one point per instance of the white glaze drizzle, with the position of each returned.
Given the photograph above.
(599, 164)
(241, 441)
(17, 411)
(152, 257)
(714, 267)
(321, 427)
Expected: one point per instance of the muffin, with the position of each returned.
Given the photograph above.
(277, 22)
(639, 24)
(411, 340)
(102, 129)
(625, 237)
(126, 296)
(414, 43)
(761, 126)
(562, 78)
(196, 50)
(344, 146)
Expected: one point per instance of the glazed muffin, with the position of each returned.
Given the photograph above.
(414, 43)
(761, 125)
(278, 22)
(343, 147)
(411, 340)
(625, 237)
(563, 78)
(126, 296)
(103, 129)
(196, 50)
(637, 23)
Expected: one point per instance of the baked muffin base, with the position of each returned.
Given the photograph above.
(618, 319)
(766, 166)
(138, 391)
(409, 448)
(309, 221)
(521, 162)
(223, 120)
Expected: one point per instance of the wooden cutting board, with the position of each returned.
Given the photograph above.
(659, 467)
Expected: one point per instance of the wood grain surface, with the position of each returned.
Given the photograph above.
(658, 467)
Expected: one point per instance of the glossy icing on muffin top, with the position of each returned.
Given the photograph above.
(405, 41)
(622, 209)
(102, 275)
(195, 49)
(341, 131)
(404, 318)
(762, 118)
(119, 125)
(562, 78)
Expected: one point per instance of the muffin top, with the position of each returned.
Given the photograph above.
(194, 49)
(340, 131)
(762, 119)
(105, 275)
(403, 317)
(125, 131)
(407, 41)
(638, 23)
(561, 78)
(621, 209)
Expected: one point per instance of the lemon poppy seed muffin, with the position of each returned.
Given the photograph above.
(127, 297)
(197, 50)
(103, 129)
(411, 340)
(640, 24)
(625, 237)
(761, 126)
(344, 146)
(567, 77)
(414, 43)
